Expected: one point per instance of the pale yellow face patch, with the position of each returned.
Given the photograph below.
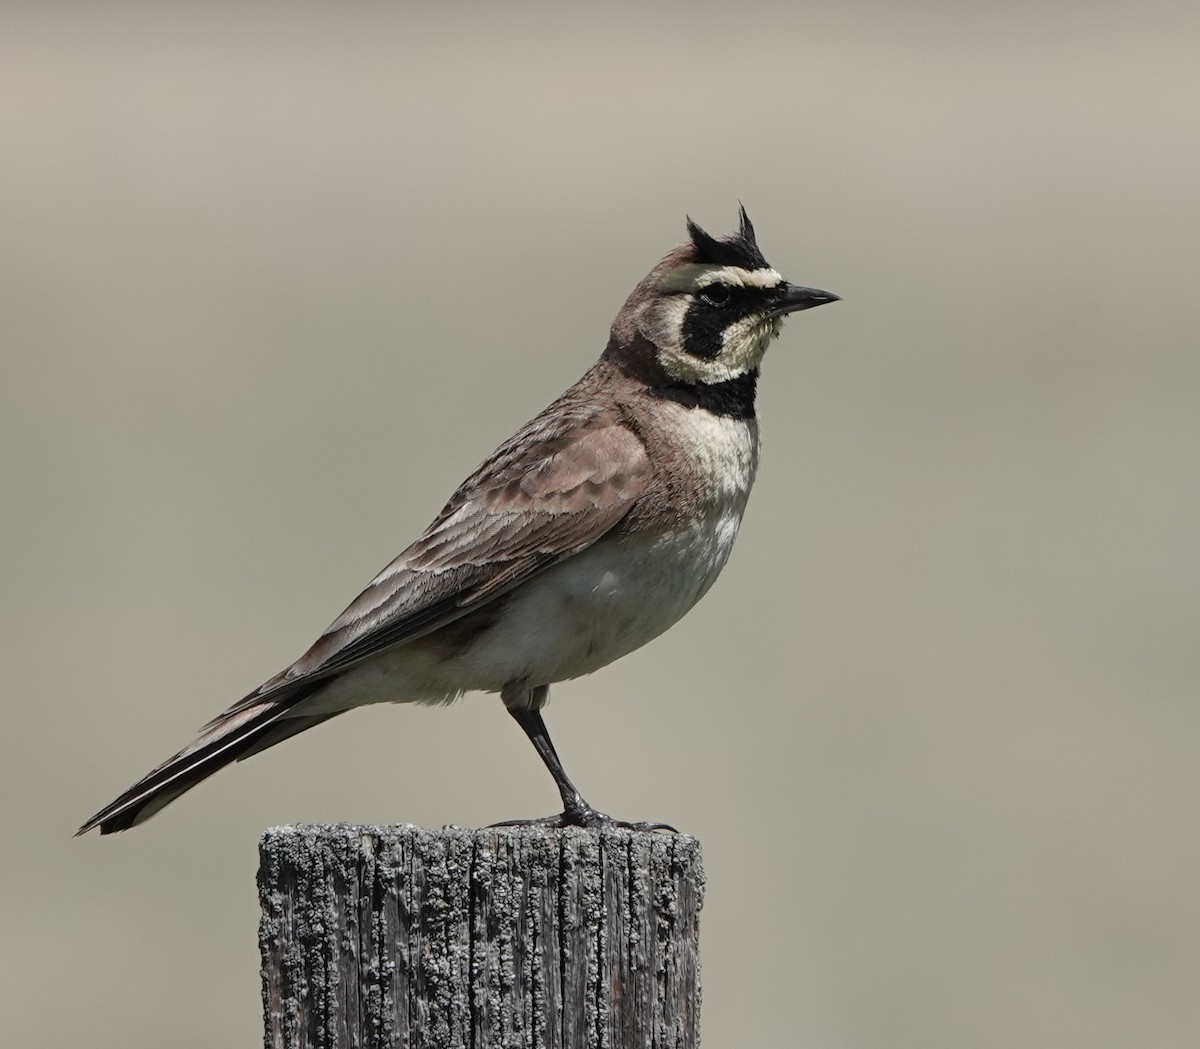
(744, 341)
(744, 344)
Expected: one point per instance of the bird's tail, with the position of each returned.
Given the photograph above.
(235, 735)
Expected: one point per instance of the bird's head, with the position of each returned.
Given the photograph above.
(709, 309)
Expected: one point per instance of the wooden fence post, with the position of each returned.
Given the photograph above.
(519, 938)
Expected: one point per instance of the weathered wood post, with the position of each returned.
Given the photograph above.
(473, 939)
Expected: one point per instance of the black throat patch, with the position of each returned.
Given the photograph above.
(733, 398)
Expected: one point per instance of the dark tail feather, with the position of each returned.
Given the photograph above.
(242, 733)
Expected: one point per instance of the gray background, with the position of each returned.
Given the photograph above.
(274, 278)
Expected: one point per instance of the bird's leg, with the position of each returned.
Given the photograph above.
(576, 811)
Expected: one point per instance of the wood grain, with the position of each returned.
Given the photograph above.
(505, 937)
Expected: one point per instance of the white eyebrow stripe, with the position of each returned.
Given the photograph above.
(692, 276)
(735, 275)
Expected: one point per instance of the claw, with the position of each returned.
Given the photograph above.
(587, 818)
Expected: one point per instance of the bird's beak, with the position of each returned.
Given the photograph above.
(793, 298)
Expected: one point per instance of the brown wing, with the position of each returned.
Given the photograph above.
(556, 487)
(553, 489)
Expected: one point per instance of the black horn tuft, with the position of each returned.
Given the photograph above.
(704, 243)
(747, 227)
(740, 249)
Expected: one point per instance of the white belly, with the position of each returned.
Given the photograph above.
(602, 604)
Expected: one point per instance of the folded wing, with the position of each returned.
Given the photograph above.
(556, 487)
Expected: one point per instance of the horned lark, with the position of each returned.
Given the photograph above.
(585, 535)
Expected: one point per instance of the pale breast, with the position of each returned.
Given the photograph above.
(630, 586)
(719, 453)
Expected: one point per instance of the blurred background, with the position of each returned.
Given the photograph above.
(274, 279)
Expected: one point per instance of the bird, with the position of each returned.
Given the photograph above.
(585, 535)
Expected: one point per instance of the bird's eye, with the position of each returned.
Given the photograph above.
(715, 294)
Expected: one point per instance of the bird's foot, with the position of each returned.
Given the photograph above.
(583, 815)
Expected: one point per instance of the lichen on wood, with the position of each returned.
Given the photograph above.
(522, 938)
